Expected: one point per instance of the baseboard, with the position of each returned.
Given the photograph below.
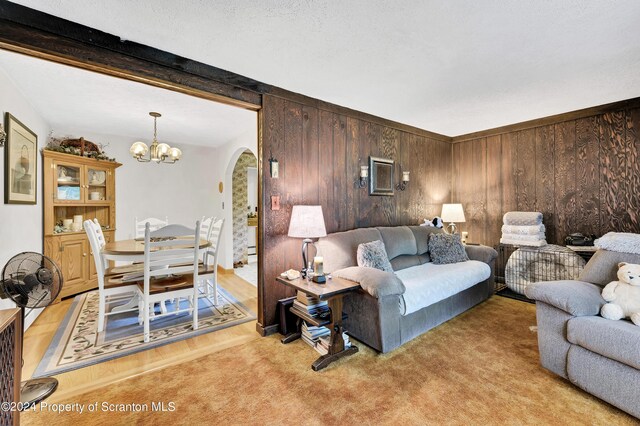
(268, 330)
(224, 271)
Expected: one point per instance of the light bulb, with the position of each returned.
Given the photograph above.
(175, 154)
(138, 149)
(162, 149)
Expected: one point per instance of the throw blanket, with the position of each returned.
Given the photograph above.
(518, 237)
(428, 283)
(537, 243)
(623, 242)
(523, 230)
(522, 218)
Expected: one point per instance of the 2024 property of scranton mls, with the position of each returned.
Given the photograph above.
(320, 212)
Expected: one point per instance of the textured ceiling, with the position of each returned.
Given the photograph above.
(451, 67)
(76, 102)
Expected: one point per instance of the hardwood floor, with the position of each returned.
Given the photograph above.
(39, 335)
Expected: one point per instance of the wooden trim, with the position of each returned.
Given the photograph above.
(79, 160)
(552, 119)
(224, 271)
(31, 32)
(268, 330)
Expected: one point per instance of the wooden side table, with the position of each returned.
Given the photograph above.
(332, 291)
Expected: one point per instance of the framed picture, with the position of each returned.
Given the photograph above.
(20, 163)
(381, 180)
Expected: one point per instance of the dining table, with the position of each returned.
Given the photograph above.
(132, 250)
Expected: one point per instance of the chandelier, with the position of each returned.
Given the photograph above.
(158, 152)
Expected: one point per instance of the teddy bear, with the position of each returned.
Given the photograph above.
(623, 295)
(436, 222)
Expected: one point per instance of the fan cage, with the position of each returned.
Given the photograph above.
(23, 276)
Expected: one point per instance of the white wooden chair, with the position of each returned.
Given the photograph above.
(205, 226)
(111, 292)
(209, 271)
(154, 223)
(170, 272)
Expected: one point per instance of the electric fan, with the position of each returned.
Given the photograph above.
(32, 281)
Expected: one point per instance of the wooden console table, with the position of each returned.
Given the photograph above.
(332, 291)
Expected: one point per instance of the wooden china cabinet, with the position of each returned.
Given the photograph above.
(76, 186)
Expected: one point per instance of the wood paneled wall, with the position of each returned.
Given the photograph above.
(320, 153)
(582, 174)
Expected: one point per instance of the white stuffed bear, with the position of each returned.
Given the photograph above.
(624, 295)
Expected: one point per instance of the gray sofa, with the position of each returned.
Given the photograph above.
(596, 354)
(374, 312)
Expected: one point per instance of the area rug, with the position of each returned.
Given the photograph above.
(77, 343)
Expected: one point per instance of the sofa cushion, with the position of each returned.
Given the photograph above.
(430, 283)
(373, 255)
(602, 268)
(374, 281)
(340, 248)
(617, 340)
(398, 240)
(445, 248)
(577, 298)
(421, 234)
(405, 261)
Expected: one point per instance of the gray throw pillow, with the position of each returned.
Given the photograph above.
(374, 255)
(446, 248)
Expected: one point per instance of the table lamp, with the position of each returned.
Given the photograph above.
(306, 222)
(452, 213)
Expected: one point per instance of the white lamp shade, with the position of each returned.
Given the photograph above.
(307, 222)
(452, 213)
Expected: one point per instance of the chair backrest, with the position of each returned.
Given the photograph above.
(171, 257)
(205, 226)
(211, 253)
(139, 225)
(97, 242)
(173, 230)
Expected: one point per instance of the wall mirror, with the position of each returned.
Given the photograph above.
(381, 180)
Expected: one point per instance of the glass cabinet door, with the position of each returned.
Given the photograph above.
(68, 183)
(97, 184)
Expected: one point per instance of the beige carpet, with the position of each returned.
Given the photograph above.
(479, 368)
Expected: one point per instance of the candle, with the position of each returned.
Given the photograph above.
(317, 265)
(364, 171)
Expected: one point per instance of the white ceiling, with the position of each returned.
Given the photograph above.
(452, 66)
(76, 102)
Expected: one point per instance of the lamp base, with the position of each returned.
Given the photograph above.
(320, 279)
(452, 228)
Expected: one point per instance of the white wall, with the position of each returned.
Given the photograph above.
(20, 225)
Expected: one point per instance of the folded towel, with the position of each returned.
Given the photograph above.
(538, 243)
(624, 242)
(523, 230)
(518, 237)
(522, 218)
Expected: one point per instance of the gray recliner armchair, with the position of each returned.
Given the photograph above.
(600, 356)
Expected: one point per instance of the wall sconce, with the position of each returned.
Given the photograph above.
(274, 168)
(364, 176)
(3, 136)
(405, 181)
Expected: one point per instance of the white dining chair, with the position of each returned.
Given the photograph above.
(107, 291)
(154, 223)
(205, 226)
(170, 272)
(209, 271)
